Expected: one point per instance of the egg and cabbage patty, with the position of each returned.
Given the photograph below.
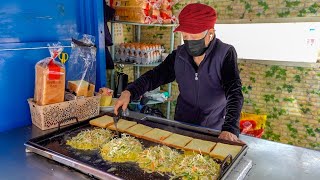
(126, 148)
(90, 139)
(196, 166)
(158, 159)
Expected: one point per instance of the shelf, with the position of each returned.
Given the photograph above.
(139, 65)
(150, 102)
(137, 31)
(141, 24)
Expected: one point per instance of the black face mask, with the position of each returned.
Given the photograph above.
(196, 47)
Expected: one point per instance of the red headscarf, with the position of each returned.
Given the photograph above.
(196, 18)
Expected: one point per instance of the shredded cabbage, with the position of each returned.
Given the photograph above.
(122, 149)
(158, 159)
(90, 139)
(196, 166)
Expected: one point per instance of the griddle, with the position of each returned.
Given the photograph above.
(53, 146)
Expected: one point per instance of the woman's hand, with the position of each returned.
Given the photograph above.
(230, 137)
(123, 101)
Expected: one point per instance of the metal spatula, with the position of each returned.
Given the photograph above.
(115, 120)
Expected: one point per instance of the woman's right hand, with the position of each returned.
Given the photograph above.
(123, 101)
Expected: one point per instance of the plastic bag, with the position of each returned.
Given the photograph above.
(81, 69)
(152, 111)
(252, 124)
(159, 96)
(106, 96)
(50, 78)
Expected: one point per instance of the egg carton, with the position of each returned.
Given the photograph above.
(137, 59)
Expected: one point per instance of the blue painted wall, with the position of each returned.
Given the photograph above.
(26, 27)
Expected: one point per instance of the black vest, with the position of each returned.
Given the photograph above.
(202, 99)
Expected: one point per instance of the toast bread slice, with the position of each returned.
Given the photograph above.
(177, 141)
(200, 146)
(138, 130)
(221, 151)
(122, 125)
(102, 121)
(156, 135)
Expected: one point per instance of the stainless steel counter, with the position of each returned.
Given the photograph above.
(270, 160)
(273, 160)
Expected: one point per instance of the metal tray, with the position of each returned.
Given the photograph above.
(53, 146)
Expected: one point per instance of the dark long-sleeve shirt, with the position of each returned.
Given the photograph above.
(230, 81)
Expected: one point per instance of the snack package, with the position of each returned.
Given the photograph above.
(106, 96)
(167, 17)
(167, 4)
(145, 11)
(81, 71)
(252, 124)
(50, 78)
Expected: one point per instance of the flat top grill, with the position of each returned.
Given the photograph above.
(54, 144)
